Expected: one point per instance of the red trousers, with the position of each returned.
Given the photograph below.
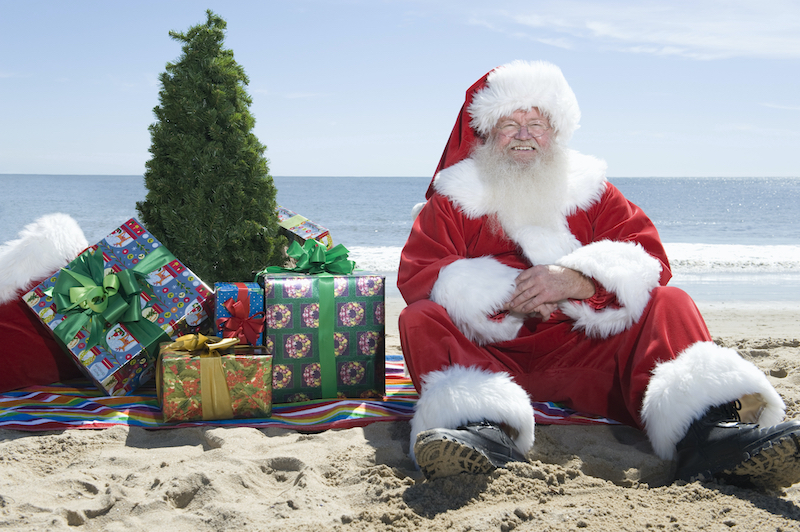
(552, 362)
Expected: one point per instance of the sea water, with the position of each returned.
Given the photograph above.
(728, 239)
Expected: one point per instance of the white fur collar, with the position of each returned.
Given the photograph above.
(586, 183)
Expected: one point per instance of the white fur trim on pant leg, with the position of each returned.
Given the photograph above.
(702, 376)
(471, 290)
(623, 268)
(458, 395)
(43, 247)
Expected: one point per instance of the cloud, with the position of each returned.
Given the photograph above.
(750, 129)
(288, 95)
(302, 95)
(696, 29)
(785, 107)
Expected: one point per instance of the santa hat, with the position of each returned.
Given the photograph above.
(30, 354)
(507, 88)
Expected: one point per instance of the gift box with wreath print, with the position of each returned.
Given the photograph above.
(326, 333)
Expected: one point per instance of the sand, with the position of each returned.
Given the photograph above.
(578, 478)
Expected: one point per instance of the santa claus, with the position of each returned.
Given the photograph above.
(528, 276)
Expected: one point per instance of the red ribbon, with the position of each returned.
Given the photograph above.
(241, 324)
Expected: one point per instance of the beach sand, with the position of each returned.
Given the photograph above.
(578, 478)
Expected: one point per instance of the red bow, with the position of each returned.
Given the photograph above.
(240, 325)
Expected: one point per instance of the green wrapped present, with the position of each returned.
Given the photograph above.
(326, 329)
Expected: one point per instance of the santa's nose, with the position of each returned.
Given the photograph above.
(523, 133)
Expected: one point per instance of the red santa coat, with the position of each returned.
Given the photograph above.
(597, 355)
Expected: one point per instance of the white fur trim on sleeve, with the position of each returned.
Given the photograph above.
(459, 395)
(471, 290)
(43, 247)
(702, 376)
(623, 268)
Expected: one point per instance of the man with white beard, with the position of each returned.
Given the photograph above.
(528, 276)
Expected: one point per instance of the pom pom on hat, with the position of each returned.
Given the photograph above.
(524, 85)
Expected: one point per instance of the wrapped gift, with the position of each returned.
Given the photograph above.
(239, 311)
(325, 330)
(299, 229)
(207, 378)
(111, 307)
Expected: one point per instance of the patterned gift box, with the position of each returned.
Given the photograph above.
(316, 357)
(300, 229)
(239, 311)
(116, 346)
(187, 391)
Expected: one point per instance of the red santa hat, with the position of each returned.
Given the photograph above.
(507, 88)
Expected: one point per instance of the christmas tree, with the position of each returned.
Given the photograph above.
(210, 199)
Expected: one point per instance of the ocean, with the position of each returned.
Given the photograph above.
(728, 239)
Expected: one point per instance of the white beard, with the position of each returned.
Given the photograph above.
(523, 194)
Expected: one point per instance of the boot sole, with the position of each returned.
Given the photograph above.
(439, 457)
(773, 467)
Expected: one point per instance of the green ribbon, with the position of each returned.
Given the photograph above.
(327, 319)
(313, 258)
(89, 298)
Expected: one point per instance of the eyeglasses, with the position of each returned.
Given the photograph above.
(512, 129)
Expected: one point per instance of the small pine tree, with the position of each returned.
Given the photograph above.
(210, 199)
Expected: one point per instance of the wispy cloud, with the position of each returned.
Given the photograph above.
(697, 29)
(751, 129)
(288, 95)
(302, 95)
(786, 107)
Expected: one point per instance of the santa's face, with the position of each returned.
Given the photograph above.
(513, 136)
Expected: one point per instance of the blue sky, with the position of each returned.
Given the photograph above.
(372, 88)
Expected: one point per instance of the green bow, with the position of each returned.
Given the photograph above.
(313, 258)
(87, 297)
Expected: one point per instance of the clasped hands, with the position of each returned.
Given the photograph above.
(540, 289)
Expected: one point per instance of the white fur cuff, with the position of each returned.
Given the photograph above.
(471, 290)
(458, 395)
(623, 268)
(702, 376)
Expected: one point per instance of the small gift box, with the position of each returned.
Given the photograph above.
(325, 329)
(299, 228)
(111, 307)
(239, 311)
(206, 378)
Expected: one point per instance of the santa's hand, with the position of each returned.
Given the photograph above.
(543, 311)
(540, 288)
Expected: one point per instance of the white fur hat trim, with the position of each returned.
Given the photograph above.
(524, 85)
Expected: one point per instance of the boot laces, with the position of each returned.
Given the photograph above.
(731, 410)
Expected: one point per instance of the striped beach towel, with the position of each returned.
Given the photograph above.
(78, 405)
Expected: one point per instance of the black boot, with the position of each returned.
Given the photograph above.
(720, 446)
(472, 448)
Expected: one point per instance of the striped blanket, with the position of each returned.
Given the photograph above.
(78, 405)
